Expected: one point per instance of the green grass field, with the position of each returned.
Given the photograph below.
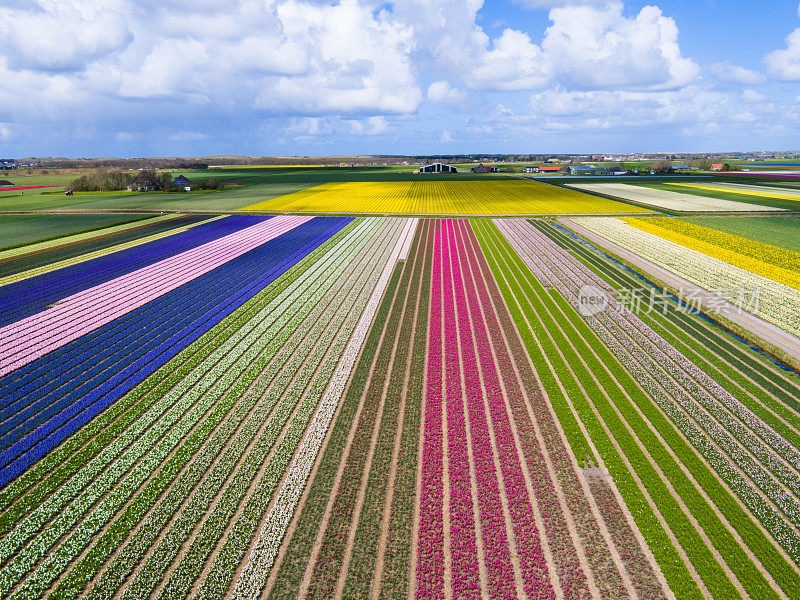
(24, 229)
(258, 184)
(781, 231)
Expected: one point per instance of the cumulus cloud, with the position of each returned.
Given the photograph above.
(46, 35)
(598, 47)
(785, 64)
(442, 92)
(727, 72)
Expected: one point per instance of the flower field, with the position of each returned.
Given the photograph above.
(747, 190)
(671, 200)
(444, 198)
(772, 262)
(298, 406)
(777, 302)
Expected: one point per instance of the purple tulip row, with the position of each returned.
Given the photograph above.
(475, 468)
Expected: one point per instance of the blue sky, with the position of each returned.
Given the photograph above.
(312, 77)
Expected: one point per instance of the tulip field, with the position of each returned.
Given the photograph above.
(432, 197)
(392, 407)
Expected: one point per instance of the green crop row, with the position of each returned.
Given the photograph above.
(760, 545)
(212, 388)
(547, 322)
(298, 551)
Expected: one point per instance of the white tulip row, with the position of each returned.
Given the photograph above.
(302, 345)
(198, 391)
(256, 571)
(685, 393)
(670, 200)
(777, 303)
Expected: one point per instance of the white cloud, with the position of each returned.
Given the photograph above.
(442, 92)
(727, 72)
(598, 47)
(752, 97)
(369, 126)
(446, 137)
(785, 64)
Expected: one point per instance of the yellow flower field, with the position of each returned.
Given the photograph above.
(511, 197)
(769, 261)
(741, 190)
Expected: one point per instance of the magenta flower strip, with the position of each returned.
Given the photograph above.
(430, 553)
(463, 547)
(495, 543)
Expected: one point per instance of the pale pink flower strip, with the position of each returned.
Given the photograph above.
(81, 313)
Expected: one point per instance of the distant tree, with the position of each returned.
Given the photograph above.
(661, 167)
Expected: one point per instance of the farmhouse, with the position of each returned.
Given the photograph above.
(482, 168)
(143, 183)
(438, 168)
(181, 181)
(552, 169)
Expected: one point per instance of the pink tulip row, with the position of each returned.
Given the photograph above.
(470, 389)
(571, 577)
(430, 551)
(81, 313)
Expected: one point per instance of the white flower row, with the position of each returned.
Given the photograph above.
(776, 302)
(257, 569)
(696, 399)
(205, 383)
(670, 200)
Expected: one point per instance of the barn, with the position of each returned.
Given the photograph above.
(438, 168)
